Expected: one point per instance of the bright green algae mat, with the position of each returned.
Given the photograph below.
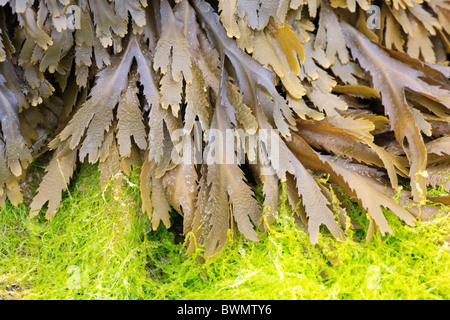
(101, 246)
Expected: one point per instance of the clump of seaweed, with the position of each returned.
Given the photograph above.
(206, 97)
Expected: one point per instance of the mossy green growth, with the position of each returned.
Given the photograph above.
(100, 246)
(94, 248)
